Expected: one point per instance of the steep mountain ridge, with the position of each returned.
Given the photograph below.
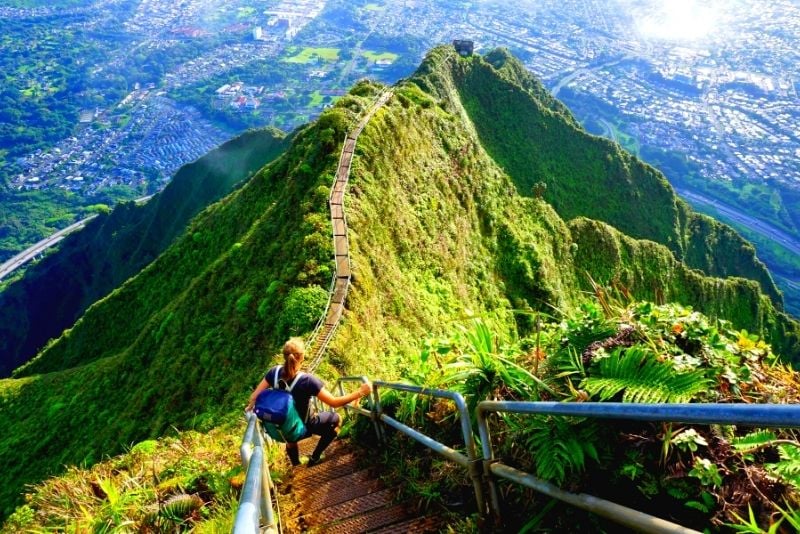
(177, 344)
(527, 132)
(89, 264)
(437, 231)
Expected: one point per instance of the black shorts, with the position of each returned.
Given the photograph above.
(321, 424)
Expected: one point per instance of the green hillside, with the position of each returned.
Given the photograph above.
(89, 264)
(437, 229)
(528, 134)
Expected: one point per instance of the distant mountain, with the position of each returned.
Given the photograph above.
(89, 264)
(445, 220)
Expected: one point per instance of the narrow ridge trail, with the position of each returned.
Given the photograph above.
(327, 324)
(345, 493)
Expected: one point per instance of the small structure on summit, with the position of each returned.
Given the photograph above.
(464, 47)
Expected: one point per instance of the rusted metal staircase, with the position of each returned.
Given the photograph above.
(326, 327)
(342, 494)
(345, 494)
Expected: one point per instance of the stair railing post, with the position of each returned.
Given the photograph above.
(376, 413)
(488, 458)
(475, 473)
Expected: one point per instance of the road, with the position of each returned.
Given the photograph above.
(31, 252)
(28, 254)
(608, 130)
(584, 70)
(779, 236)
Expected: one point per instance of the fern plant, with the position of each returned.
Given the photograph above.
(558, 445)
(787, 468)
(485, 366)
(637, 374)
(754, 440)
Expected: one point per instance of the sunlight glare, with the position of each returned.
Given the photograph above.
(679, 20)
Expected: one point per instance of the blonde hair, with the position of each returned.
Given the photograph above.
(293, 353)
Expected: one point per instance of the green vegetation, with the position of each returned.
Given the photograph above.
(316, 99)
(649, 271)
(179, 321)
(609, 349)
(528, 133)
(438, 231)
(30, 216)
(309, 54)
(773, 203)
(90, 264)
(377, 56)
(176, 484)
(784, 264)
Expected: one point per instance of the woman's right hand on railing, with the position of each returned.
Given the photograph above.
(363, 390)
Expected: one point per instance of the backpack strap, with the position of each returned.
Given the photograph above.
(290, 386)
(296, 378)
(276, 377)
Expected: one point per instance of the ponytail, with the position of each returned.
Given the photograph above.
(293, 353)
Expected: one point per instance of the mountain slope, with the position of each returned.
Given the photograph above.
(437, 231)
(528, 133)
(180, 343)
(90, 264)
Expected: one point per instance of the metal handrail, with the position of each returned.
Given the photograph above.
(771, 415)
(255, 502)
(371, 413)
(470, 461)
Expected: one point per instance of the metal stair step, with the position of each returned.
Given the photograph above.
(331, 468)
(412, 526)
(353, 507)
(338, 490)
(369, 521)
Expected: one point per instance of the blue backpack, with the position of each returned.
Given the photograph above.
(275, 408)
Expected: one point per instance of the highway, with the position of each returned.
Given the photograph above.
(779, 236)
(28, 254)
(584, 70)
(608, 130)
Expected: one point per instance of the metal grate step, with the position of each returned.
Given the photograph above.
(359, 505)
(369, 521)
(339, 490)
(334, 468)
(412, 526)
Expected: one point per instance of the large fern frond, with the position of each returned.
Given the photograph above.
(641, 378)
(789, 467)
(558, 445)
(753, 440)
